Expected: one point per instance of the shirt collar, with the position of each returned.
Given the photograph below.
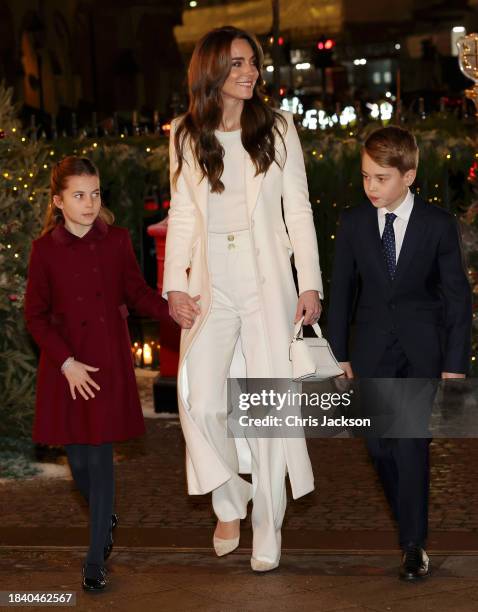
(404, 210)
(62, 236)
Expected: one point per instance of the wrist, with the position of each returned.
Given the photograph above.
(66, 364)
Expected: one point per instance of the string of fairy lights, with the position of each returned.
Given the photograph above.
(23, 183)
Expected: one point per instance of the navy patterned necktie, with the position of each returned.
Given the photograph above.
(388, 244)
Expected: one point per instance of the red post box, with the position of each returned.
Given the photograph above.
(169, 333)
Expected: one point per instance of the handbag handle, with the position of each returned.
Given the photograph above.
(299, 331)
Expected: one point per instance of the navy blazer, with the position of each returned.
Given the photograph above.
(427, 305)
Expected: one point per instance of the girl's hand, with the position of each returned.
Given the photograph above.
(183, 308)
(76, 373)
(308, 307)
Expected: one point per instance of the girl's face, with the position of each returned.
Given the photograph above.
(80, 203)
(244, 72)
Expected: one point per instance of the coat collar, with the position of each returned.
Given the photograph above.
(62, 236)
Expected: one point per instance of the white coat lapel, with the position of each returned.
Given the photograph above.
(200, 185)
(253, 184)
(201, 193)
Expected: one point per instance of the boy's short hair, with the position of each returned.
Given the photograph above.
(393, 147)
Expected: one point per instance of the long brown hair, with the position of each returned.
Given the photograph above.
(208, 70)
(60, 173)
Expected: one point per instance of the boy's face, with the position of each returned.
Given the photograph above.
(384, 186)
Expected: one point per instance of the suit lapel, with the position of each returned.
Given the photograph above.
(413, 237)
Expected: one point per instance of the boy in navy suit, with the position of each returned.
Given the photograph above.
(399, 276)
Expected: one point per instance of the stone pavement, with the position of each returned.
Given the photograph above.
(151, 493)
(339, 545)
(151, 581)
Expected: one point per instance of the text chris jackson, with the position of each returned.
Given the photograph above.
(297, 421)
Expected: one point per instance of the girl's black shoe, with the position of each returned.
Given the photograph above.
(109, 545)
(94, 577)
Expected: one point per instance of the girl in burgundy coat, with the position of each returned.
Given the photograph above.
(83, 277)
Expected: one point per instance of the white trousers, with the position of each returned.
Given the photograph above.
(235, 312)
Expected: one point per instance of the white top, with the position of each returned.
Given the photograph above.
(403, 212)
(227, 211)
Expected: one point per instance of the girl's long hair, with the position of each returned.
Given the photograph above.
(208, 70)
(61, 171)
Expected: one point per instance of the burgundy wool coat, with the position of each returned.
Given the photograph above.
(78, 294)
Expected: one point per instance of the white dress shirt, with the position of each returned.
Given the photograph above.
(403, 212)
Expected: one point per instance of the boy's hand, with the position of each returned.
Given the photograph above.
(309, 307)
(347, 368)
(183, 308)
(446, 375)
(76, 373)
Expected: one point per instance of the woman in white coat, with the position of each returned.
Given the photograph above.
(229, 282)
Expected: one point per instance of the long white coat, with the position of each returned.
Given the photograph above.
(187, 248)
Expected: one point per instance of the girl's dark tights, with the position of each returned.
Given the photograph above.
(92, 469)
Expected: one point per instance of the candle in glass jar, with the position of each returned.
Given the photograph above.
(137, 357)
(147, 355)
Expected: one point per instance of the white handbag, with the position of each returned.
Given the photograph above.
(312, 357)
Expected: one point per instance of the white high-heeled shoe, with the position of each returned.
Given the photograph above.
(224, 547)
(263, 566)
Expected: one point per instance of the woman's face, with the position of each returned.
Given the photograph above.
(244, 73)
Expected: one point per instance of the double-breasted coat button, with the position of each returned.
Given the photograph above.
(102, 319)
(98, 294)
(92, 247)
(79, 298)
(83, 324)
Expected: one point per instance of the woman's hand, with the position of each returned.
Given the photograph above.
(76, 373)
(183, 308)
(308, 307)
